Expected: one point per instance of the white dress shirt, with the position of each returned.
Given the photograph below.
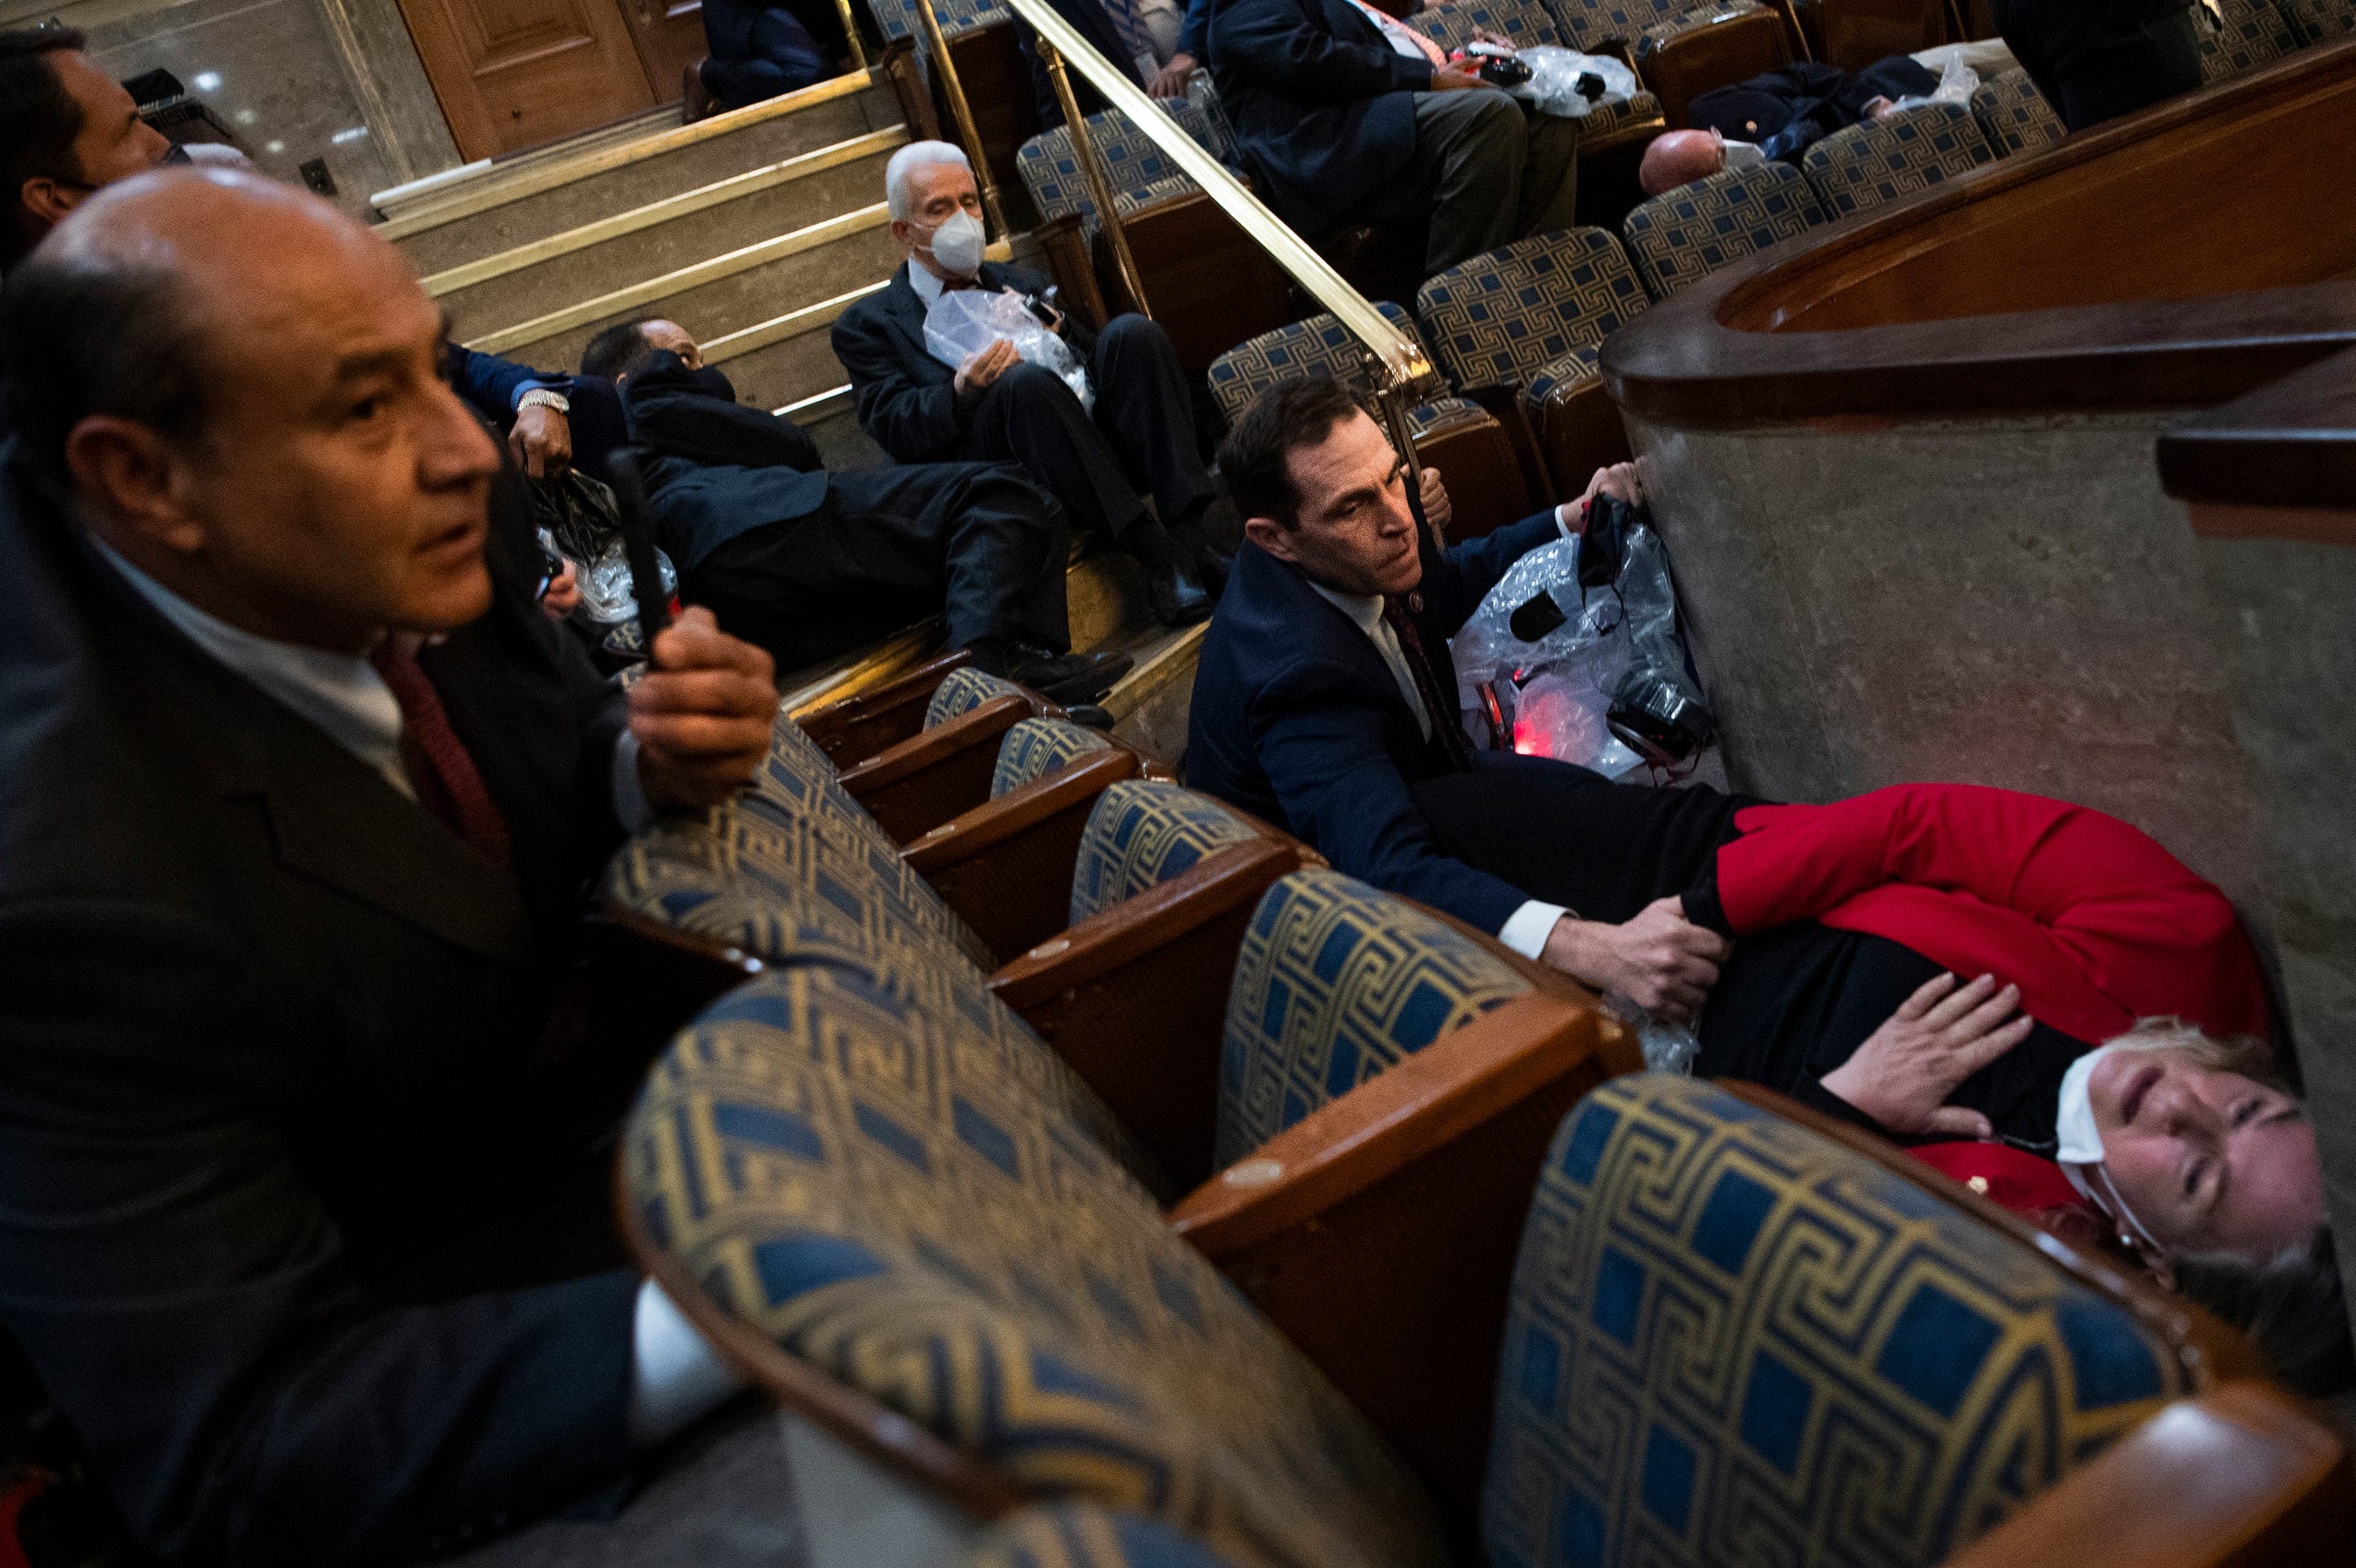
(1527, 929)
(340, 695)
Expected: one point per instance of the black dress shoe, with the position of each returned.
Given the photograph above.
(1178, 598)
(1070, 678)
(1090, 715)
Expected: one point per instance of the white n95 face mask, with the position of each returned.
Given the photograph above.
(2079, 1143)
(1745, 155)
(958, 244)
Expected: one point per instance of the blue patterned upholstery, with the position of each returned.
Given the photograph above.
(1896, 155)
(1037, 747)
(841, 1169)
(1561, 376)
(1512, 314)
(1139, 172)
(2014, 116)
(1684, 234)
(1589, 24)
(2319, 21)
(768, 880)
(1081, 1535)
(1732, 1340)
(1450, 23)
(1320, 345)
(797, 778)
(2254, 34)
(1143, 833)
(962, 690)
(1336, 983)
(898, 18)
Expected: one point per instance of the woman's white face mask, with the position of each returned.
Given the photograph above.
(2080, 1147)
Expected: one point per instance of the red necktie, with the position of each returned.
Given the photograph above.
(445, 777)
(1439, 706)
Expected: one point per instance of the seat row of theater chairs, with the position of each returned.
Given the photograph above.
(978, 1193)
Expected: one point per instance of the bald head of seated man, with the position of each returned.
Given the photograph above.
(306, 1236)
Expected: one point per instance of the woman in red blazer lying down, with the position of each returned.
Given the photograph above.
(1964, 970)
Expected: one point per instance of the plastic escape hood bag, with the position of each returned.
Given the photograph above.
(1553, 86)
(1957, 82)
(1552, 695)
(964, 321)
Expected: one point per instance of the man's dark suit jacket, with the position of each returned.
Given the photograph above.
(1321, 103)
(720, 469)
(1827, 97)
(1297, 720)
(269, 1031)
(907, 399)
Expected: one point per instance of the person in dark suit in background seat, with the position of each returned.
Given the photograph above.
(1346, 115)
(995, 408)
(761, 49)
(300, 1234)
(809, 564)
(2097, 59)
(1325, 691)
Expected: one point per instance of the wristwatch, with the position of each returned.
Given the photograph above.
(542, 397)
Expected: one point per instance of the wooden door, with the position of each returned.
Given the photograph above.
(669, 35)
(515, 73)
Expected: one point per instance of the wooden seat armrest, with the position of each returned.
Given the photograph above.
(931, 776)
(855, 729)
(636, 983)
(1135, 997)
(2236, 1478)
(1065, 242)
(1502, 401)
(1379, 1233)
(1716, 53)
(1006, 865)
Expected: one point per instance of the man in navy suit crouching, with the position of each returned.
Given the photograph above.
(1325, 698)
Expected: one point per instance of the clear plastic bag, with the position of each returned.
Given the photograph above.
(607, 596)
(1553, 86)
(964, 321)
(1957, 82)
(1550, 696)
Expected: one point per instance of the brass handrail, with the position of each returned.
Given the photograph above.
(1401, 366)
(1084, 148)
(937, 44)
(851, 32)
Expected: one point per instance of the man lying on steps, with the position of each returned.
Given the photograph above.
(809, 564)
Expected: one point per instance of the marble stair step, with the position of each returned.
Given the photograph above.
(623, 250)
(508, 207)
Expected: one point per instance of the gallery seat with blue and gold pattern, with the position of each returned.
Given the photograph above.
(1143, 833)
(2014, 116)
(1138, 172)
(1734, 1339)
(1037, 747)
(1452, 23)
(1684, 234)
(1898, 155)
(2321, 21)
(2243, 36)
(964, 689)
(833, 1180)
(1532, 314)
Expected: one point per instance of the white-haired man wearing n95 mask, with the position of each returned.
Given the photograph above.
(991, 405)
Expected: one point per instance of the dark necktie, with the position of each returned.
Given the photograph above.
(1447, 731)
(445, 777)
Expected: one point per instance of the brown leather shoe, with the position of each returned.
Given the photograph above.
(695, 100)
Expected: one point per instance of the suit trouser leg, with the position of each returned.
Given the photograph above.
(977, 545)
(1030, 417)
(1550, 176)
(1145, 411)
(2091, 67)
(1470, 147)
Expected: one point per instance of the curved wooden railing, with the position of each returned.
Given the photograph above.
(2179, 258)
(2279, 464)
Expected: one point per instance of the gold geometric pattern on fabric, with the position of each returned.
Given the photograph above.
(2254, 34)
(769, 881)
(2319, 21)
(836, 1168)
(962, 690)
(659, 875)
(1896, 155)
(1320, 345)
(1452, 23)
(1592, 23)
(1732, 1340)
(1507, 314)
(1138, 171)
(1558, 378)
(1037, 747)
(1081, 1535)
(1684, 234)
(1143, 833)
(898, 18)
(798, 779)
(2014, 116)
(1335, 984)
